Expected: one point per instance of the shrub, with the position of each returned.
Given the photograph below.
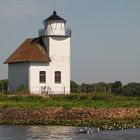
(3, 85)
(83, 97)
(22, 90)
(71, 97)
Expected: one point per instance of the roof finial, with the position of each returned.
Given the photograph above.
(54, 12)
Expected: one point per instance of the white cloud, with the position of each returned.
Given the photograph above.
(18, 8)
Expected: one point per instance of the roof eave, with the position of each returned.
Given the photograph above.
(29, 61)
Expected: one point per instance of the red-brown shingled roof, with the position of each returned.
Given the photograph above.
(31, 50)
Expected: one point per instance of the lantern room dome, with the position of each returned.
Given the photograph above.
(54, 16)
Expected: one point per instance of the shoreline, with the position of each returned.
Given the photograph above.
(105, 119)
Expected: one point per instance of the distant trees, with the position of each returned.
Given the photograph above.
(89, 88)
(117, 87)
(74, 87)
(131, 89)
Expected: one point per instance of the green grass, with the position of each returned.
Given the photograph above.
(99, 100)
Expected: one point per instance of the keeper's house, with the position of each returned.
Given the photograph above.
(42, 64)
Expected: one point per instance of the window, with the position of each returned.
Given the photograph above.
(57, 76)
(42, 77)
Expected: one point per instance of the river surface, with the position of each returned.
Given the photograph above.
(16, 132)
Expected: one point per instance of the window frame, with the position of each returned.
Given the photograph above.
(42, 76)
(57, 77)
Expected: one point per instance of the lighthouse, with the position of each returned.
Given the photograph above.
(42, 64)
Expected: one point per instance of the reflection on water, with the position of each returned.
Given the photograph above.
(8, 132)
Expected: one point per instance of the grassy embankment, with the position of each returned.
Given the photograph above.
(69, 101)
(105, 111)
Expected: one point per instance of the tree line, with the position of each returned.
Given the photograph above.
(130, 89)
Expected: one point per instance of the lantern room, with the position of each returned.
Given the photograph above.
(54, 25)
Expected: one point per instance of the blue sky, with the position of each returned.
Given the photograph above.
(105, 43)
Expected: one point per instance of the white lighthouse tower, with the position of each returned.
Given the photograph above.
(57, 41)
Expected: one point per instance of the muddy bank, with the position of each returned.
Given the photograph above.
(120, 118)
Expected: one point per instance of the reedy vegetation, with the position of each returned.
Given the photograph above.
(95, 100)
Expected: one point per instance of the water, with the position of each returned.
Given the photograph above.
(8, 132)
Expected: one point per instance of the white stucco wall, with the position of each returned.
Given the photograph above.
(59, 52)
(34, 84)
(17, 75)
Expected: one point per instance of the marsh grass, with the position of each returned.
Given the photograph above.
(98, 100)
